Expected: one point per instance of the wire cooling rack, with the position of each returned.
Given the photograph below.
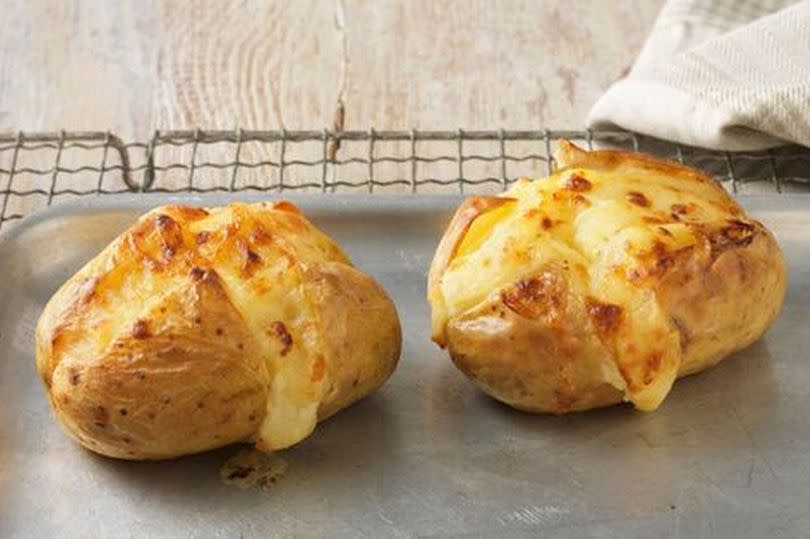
(40, 169)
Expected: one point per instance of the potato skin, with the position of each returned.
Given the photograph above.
(349, 299)
(609, 280)
(525, 346)
(198, 328)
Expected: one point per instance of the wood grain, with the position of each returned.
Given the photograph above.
(134, 66)
(478, 64)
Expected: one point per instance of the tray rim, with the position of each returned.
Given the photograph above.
(314, 202)
(360, 202)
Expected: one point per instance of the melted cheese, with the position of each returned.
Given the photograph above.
(275, 293)
(599, 228)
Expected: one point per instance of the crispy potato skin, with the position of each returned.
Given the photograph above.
(198, 328)
(610, 279)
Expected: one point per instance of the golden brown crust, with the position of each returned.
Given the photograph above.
(723, 288)
(139, 399)
(202, 327)
(463, 218)
(610, 279)
(569, 155)
(526, 347)
(349, 300)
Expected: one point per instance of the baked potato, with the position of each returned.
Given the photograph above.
(601, 283)
(198, 328)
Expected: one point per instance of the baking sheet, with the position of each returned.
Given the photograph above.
(727, 454)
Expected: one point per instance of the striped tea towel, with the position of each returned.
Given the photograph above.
(722, 74)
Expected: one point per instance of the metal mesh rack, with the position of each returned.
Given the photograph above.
(40, 169)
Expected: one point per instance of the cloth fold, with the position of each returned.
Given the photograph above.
(722, 74)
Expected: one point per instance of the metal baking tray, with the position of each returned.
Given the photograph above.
(728, 453)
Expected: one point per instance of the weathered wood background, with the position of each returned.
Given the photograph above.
(133, 66)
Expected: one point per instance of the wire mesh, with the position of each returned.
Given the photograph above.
(40, 169)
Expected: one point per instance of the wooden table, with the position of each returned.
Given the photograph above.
(133, 66)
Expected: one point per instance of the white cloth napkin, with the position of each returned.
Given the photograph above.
(722, 74)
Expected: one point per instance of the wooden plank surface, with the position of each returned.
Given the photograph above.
(134, 66)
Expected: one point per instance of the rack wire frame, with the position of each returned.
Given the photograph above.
(136, 170)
